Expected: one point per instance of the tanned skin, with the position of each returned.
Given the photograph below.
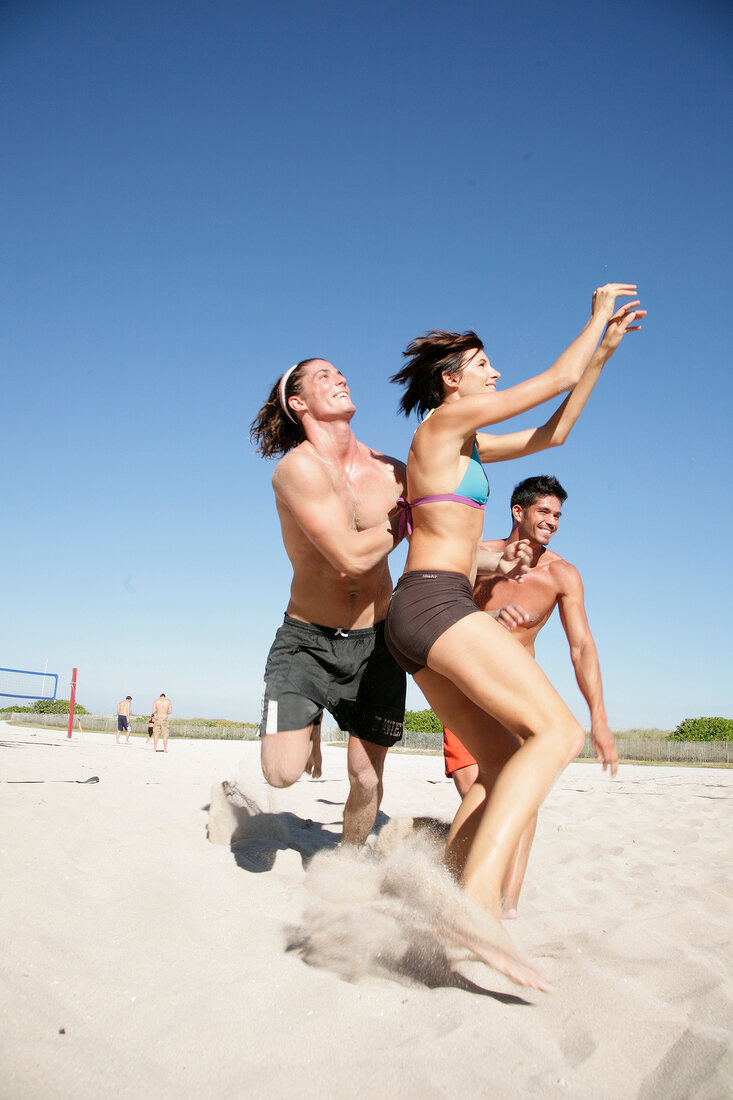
(123, 709)
(162, 708)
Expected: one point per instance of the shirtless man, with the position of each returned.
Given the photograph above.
(337, 502)
(161, 709)
(524, 607)
(123, 719)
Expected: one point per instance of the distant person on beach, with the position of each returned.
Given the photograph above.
(151, 724)
(161, 709)
(477, 677)
(523, 607)
(123, 719)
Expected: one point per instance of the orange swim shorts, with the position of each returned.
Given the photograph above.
(455, 753)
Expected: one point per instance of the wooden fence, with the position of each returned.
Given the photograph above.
(107, 723)
(698, 752)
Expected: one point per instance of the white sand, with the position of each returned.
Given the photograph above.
(163, 957)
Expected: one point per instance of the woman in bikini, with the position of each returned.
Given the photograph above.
(465, 663)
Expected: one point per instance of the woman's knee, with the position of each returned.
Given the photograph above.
(577, 741)
(570, 738)
(564, 738)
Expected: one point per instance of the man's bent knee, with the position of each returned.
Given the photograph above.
(284, 756)
(280, 772)
(277, 777)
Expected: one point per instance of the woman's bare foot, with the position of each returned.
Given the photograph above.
(482, 933)
(457, 921)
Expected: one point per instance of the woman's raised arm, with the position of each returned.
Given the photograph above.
(498, 448)
(492, 408)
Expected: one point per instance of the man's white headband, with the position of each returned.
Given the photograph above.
(281, 393)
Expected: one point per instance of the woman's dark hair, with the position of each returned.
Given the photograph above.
(532, 488)
(272, 431)
(428, 357)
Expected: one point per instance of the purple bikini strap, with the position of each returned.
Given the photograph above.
(407, 506)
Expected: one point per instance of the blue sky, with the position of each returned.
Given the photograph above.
(196, 195)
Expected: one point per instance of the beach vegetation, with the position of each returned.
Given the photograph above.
(46, 706)
(703, 729)
(423, 721)
(57, 706)
(642, 735)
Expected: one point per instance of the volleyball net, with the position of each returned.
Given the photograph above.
(20, 683)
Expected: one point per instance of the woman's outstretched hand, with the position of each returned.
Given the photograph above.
(621, 323)
(604, 298)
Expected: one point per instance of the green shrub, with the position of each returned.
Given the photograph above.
(57, 706)
(422, 721)
(703, 729)
(46, 706)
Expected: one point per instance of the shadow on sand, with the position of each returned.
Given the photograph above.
(256, 836)
(427, 965)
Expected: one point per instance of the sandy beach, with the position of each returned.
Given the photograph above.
(141, 959)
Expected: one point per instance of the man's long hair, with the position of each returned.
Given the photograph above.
(272, 431)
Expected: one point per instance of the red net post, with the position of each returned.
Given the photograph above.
(72, 701)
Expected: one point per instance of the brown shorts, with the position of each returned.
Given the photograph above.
(422, 607)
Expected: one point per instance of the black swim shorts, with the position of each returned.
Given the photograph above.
(422, 607)
(350, 673)
(121, 723)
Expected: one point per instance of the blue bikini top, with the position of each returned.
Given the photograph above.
(473, 491)
(474, 483)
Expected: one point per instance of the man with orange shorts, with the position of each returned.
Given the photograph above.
(524, 606)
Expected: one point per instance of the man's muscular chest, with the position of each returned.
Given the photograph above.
(536, 593)
(367, 494)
